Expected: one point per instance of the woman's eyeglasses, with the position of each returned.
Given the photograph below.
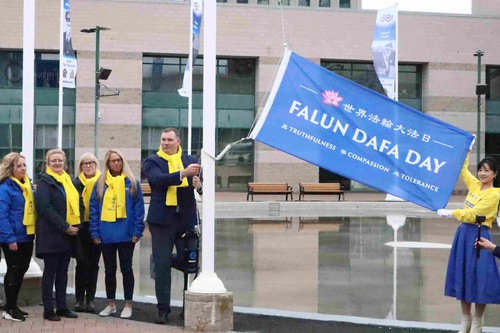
(88, 164)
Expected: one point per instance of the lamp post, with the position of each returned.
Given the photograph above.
(97, 30)
(478, 54)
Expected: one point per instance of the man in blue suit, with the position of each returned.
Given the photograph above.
(173, 177)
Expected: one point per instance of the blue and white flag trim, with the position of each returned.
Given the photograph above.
(350, 130)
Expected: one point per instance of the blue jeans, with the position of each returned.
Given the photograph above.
(125, 253)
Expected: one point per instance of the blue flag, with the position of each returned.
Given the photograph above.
(336, 124)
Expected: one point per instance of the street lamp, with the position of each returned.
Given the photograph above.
(100, 73)
(481, 89)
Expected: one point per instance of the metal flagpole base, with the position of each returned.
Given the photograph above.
(207, 283)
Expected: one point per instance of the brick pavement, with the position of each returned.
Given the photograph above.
(85, 322)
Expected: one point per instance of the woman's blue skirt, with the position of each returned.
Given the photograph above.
(470, 279)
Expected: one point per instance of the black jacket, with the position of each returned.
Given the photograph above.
(51, 225)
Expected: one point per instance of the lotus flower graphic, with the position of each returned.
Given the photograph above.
(331, 98)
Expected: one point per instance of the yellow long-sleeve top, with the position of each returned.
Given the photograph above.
(477, 202)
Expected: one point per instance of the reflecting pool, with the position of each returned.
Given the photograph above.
(382, 267)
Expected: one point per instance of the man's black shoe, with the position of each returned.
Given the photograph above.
(161, 318)
(66, 313)
(51, 316)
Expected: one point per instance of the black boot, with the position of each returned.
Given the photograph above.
(90, 305)
(79, 307)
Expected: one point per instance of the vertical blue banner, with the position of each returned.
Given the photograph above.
(187, 82)
(385, 49)
(68, 57)
(336, 124)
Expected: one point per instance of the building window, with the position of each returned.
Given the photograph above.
(492, 140)
(46, 108)
(304, 3)
(324, 3)
(409, 85)
(163, 107)
(344, 3)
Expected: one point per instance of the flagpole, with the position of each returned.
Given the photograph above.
(61, 91)
(28, 122)
(190, 91)
(208, 282)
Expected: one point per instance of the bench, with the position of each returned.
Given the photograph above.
(270, 188)
(146, 189)
(321, 188)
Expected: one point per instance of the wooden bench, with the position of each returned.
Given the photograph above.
(321, 188)
(270, 188)
(146, 189)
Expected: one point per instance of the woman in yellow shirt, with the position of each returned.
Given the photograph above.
(470, 279)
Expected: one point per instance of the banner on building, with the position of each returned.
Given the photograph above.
(385, 48)
(187, 82)
(68, 57)
(350, 130)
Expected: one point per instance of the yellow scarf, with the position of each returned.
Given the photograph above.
(29, 218)
(174, 165)
(72, 196)
(113, 204)
(88, 186)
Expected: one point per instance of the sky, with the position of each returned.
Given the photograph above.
(432, 6)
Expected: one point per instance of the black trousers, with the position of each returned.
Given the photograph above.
(87, 266)
(18, 263)
(125, 253)
(55, 272)
(163, 238)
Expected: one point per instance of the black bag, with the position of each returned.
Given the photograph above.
(187, 257)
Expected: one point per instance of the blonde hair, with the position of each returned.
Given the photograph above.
(7, 166)
(86, 157)
(125, 170)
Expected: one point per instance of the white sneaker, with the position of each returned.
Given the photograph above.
(107, 311)
(126, 312)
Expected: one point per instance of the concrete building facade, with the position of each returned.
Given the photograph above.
(442, 45)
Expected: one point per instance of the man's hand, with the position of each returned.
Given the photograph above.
(485, 244)
(197, 183)
(190, 170)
